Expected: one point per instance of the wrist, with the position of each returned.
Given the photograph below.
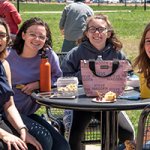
(24, 127)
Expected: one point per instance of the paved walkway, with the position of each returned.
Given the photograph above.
(92, 147)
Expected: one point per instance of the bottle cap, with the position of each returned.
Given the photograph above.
(44, 56)
(99, 57)
(42, 53)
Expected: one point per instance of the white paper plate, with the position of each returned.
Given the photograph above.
(102, 101)
(128, 88)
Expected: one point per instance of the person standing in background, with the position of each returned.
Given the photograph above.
(72, 23)
(10, 14)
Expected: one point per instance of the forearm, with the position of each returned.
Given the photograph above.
(34, 85)
(10, 109)
(29, 88)
(62, 20)
(14, 118)
(16, 17)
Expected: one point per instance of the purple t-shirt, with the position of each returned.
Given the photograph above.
(26, 70)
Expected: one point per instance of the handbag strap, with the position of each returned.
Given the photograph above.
(115, 66)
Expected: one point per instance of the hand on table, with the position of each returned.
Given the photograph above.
(28, 88)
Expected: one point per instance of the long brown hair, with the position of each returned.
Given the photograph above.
(142, 60)
(112, 39)
(3, 54)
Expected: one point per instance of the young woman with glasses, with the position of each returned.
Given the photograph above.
(33, 37)
(99, 39)
(14, 134)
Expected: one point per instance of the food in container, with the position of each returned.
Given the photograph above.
(68, 86)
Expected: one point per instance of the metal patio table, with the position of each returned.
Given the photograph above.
(109, 112)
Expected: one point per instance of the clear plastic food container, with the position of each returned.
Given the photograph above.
(133, 81)
(68, 86)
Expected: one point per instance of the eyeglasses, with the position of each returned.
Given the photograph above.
(147, 41)
(40, 37)
(3, 35)
(99, 29)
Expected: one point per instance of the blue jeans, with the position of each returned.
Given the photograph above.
(39, 132)
(68, 45)
(59, 142)
(4, 124)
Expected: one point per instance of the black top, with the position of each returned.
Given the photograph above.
(85, 51)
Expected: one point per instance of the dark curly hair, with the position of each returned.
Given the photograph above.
(19, 42)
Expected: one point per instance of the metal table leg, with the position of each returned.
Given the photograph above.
(109, 130)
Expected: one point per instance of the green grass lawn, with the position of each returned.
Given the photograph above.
(128, 25)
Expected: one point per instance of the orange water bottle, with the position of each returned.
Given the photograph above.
(45, 74)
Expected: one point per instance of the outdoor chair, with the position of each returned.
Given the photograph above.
(55, 115)
(143, 134)
(92, 133)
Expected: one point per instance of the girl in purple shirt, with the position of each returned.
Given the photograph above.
(24, 59)
(33, 36)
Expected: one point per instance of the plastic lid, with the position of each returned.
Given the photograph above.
(67, 80)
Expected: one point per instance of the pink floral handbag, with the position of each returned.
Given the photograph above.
(104, 75)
